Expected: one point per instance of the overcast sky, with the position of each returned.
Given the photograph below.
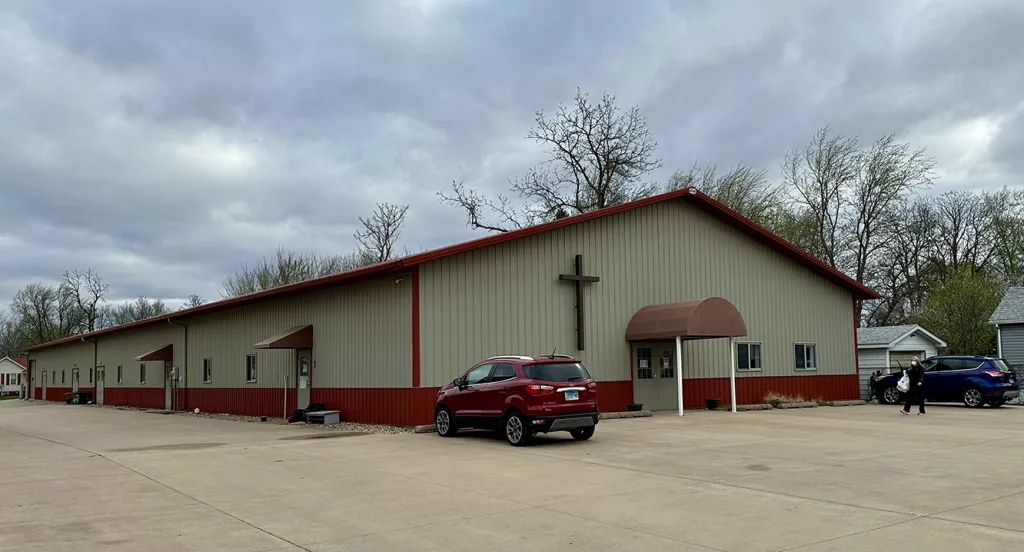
(165, 143)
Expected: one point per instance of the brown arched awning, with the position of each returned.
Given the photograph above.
(163, 353)
(300, 337)
(706, 318)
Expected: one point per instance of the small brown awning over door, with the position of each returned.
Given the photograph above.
(163, 353)
(300, 337)
(706, 318)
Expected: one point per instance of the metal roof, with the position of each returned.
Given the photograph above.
(691, 195)
(885, 336)
(1010, 309)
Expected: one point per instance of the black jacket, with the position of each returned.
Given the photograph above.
(916, 374)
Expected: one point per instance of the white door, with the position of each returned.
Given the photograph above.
(100, 384)
(45, 378)
(168, 386)
(303, 377)
(74, 380)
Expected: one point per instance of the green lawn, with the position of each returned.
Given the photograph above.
(7, 397)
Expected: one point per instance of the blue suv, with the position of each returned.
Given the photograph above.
(973, 380)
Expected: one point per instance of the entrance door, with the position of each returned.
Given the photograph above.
(45, 378)
(100, 384)
(168, 386)
(302, 377)
(654, 373)
(74, 380)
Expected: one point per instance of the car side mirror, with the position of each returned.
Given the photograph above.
(457, 382)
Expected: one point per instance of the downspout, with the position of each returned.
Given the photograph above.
(184, 369)
(95, 360)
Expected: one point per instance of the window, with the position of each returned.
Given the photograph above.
(90, 375)
(748, 357)
(62, 374)
(119, 375)
(557, 372)
(668, 366)
(806, 356)
(478, 375)
(250, 368)
(142, 373)
(503, 371)
(207, 370)
(643, 363)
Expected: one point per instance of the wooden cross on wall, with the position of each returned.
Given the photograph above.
(579, 279)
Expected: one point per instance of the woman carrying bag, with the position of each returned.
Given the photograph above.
(915, 383)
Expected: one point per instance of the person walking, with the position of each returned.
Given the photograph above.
(916, 392)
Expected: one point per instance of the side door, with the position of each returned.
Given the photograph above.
(493, 394)
(462, 401)
(941, 379)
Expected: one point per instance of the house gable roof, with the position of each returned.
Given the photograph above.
(22, 362)
(691, 195)
(1010, 309)
(884, 337)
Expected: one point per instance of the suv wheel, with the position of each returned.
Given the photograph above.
(973, 397)
(583, 433)
(444, 423)
(891, 395)
(516, 430)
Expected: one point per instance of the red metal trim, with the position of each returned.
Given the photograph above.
(416, 326)
(699, 199)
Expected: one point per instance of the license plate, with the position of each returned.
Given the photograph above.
(572, 395)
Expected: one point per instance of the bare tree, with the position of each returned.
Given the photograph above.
(87, 290)
(194, 301)
(1008, 234)
(822, 174)
(743, 189)
(380, 232)
(887, 173)
(139, 309)
(597, 156)
(288, 267)
(44, 313)
(11, 343)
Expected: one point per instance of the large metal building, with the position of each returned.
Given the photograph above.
(614, 287)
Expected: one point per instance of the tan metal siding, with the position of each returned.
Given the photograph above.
(507, 298)
(62, 357)
(122, 348)
(362, 338)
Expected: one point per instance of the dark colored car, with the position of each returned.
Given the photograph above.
(520, 396)
(973, 380)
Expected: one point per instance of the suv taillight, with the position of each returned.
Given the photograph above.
(537, 390)
(993, 373)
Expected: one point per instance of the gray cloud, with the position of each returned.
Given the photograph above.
(165, 143)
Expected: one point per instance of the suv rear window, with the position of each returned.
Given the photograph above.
(557, 371)
(1001, 365)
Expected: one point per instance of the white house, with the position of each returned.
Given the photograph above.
(887, 348)
(1009, 321)
(12, 375)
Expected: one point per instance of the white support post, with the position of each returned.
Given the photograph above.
(732, 373)
(999, 341)
(679, 373)
(286, 397)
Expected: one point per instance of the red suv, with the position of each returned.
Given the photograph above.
(521, 395)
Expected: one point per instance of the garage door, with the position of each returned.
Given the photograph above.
(897, 358)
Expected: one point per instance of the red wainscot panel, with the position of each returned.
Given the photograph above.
(58, 394)
(752, 389)
(140, 397)
(393, 406)
(613, 396)
(245, 401)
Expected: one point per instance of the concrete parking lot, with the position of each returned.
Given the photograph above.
(826, 479)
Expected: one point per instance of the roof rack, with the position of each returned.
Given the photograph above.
(513, 357)
(551, 355)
